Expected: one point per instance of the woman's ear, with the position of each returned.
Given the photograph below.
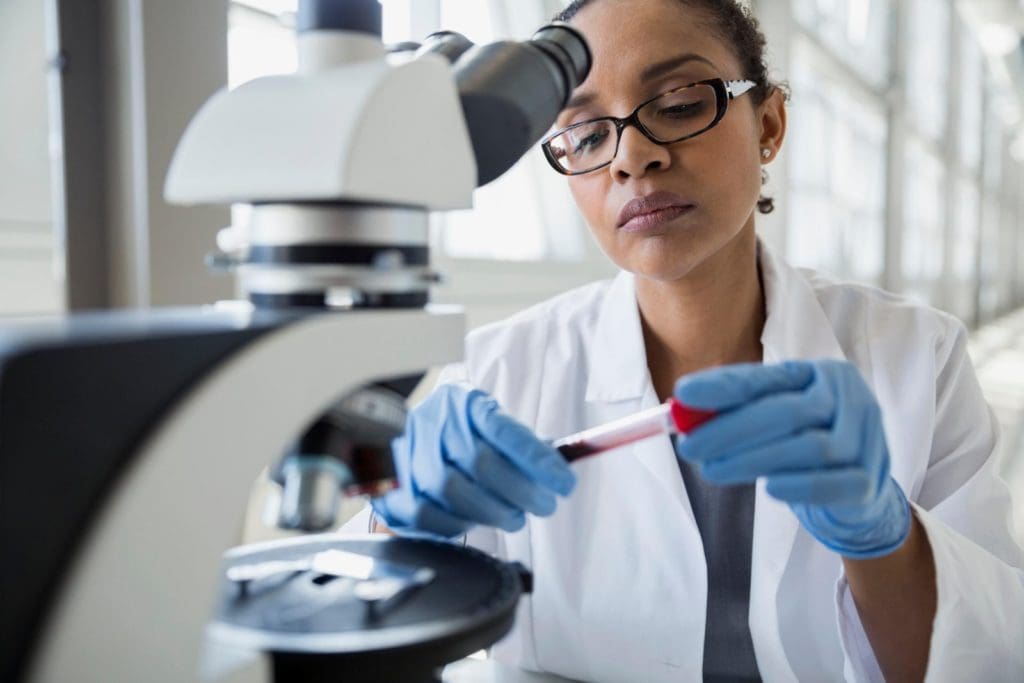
(772, 117)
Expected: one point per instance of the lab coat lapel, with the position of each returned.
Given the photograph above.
(619, 382)
(795, 328)
(617, 368)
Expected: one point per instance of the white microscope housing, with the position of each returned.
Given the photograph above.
(351, 123)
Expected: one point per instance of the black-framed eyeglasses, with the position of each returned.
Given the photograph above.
(670, 117)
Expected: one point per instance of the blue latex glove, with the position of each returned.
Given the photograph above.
(462, 461)
(814, 431)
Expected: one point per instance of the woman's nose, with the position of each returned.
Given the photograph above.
(637, 155)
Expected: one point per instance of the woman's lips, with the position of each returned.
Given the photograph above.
(655, 219)
(652, 211)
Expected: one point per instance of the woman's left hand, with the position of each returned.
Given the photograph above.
(813, 430)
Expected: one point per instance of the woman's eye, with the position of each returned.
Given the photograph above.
(590, 142)
(681, 111)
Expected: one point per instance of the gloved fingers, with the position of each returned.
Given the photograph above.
(496, 474)
(538, 460)
(727, 387)
(453, 491)
(858, 422)
(763, 421)
(814, 449)
(840, 486)
(401, 509)
(858, 433)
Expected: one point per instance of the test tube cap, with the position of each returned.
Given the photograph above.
(687, 419)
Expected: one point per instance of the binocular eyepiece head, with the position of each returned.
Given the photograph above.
(512, 91)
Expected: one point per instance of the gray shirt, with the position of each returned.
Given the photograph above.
(725, 518)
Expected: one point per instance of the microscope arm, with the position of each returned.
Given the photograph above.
(179, 506)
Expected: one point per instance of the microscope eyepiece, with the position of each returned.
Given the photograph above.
(566, 45)
(449, 44)
(511, 93)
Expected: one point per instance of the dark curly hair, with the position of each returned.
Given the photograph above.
(737, 27)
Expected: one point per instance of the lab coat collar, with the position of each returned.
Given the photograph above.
(795, 327)
(617, 368)
(795, 324)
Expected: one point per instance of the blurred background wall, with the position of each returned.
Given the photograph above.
(29, 276)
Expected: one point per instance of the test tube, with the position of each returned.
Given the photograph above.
(671, 417)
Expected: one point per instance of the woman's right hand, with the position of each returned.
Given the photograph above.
(462, 461)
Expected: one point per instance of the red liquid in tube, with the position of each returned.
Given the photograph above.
(671, 417)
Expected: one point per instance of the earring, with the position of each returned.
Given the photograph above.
(765, 153)
(764, 176)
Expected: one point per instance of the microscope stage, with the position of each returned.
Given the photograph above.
(314, 624)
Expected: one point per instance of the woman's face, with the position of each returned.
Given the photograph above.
(642, 49)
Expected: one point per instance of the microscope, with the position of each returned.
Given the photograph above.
(129, 440)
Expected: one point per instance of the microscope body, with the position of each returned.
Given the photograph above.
(137, 572)
(167, 416)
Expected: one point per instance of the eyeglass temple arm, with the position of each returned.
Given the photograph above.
(737, 88)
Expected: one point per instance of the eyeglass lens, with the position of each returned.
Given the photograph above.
(671, 117)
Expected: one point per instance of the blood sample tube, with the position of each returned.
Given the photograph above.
(671, 417)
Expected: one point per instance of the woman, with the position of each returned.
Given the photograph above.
(841, 516)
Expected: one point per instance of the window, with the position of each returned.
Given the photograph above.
(964, 248)
(1019, 273)
(506, 221)
(989, 296)
(923, 222)
(472, 18)
(855, 31)
(988, 274)
(837, 175)
(950, 195)
(966, 222)
(31, 259)
(992, 174)
(927, 77)
(972, 100)
(1009, 239)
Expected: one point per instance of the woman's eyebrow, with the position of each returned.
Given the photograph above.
(649, 74)
(661, 68)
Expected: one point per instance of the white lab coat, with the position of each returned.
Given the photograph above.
(620, 579)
